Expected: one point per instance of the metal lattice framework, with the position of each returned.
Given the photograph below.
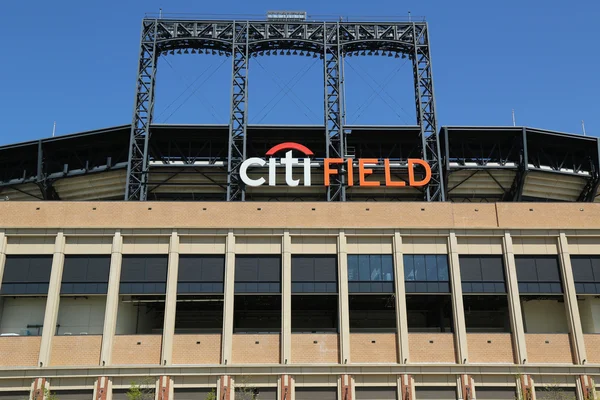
(241, 40)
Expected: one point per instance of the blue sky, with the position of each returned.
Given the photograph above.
(74, 62)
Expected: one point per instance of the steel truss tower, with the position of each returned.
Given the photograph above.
(242, 40)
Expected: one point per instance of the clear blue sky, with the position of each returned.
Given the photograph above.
(75, 62)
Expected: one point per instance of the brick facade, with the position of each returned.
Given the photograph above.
(136, 349)
(592, 345)
(373, 348)
(490, 348)
(315, 348)
(75, 350)
(431, 348)
(548, 348)
(197, 349)
(256, 349)
(22, 351)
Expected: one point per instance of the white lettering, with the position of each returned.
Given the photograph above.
(244, 171)
(289, 162)
(307, 171)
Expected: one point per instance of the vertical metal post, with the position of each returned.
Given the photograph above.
(137, 168)
(239, 112)
(425, 104)
(334, 129)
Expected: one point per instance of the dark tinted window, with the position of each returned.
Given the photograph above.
(482, 274)
(376, 393)
(586, 273)
(258, 274)
(85, 274)
(143, 274)
(314, 274)
(200, 273)
(426, 273)
(73, 394)
(28, 274)
(538, 274)
(370, 273)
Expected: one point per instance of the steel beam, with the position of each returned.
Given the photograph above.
(334, 129)
(137, 169)
(238, 122)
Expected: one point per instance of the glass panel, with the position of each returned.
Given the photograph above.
(387, 267)
(547, 269)
(442, 264)
(526, 269)
(364, 271)
(352, 267)
(431, 268)
(375, 262)
(470, 268)
(582, 269)
(420, 271)
(492, 269)
(409, 267)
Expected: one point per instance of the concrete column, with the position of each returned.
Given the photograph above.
(525, 387)
(285, 387)
(286, 299)
(346, 387)
(164, 388)
(3, 244)
(586, 388)
(225, 389)
(112, 299)
(406, 387)
(570, 295)
(514, 301)
(37, 388)
(102, 389)
(229, 294)
(343, 309)
(401, 319)
(458, 309)
(53, 300)
(170, 301)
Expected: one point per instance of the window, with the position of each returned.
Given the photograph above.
(429, 313)
(314, 274)
(26, 275)
(200, 273)
(370, 274)
(538, 274)
(376, 393)
(257, 274)
(586, 273)
(85, 274)
(426, 273)
(372, 313)
(482, 274)
(144, 274)
(486, 313)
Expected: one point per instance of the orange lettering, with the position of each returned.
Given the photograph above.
(411, 172)
(330, 171)
(388, 175)
(350, 172)
(362, 171)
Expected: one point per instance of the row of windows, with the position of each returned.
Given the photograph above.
(147, 274)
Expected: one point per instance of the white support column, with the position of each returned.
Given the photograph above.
(170, 300)
(514, 301)
(458, 310)
(112, 299)
(286, 298)
(344, 317)
(229, 299)
(570, 295)
(3, 244)
(401, 315)
(53, 300)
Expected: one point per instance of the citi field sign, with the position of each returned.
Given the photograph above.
(330, 165)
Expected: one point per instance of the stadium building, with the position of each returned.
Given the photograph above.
(299, 262)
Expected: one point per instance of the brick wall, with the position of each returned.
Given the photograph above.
(197, 349)
(557, 350)
(431, 348)
(127, 351)
(373, 348)
(490, 348)
(306, 351)
(76, 350)
(256, 349)
(22, 351)
(592, 347)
